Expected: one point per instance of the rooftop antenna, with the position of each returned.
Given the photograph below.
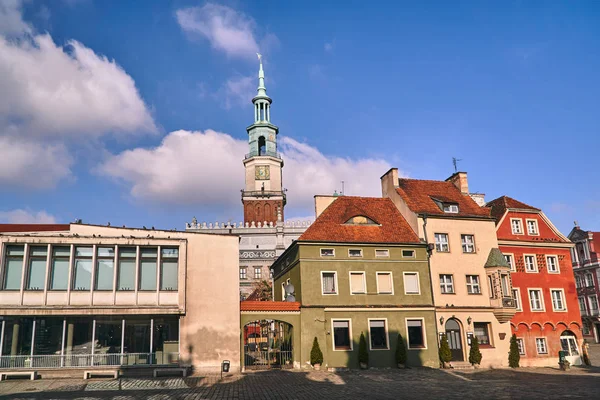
(454, 161)
(342, 192)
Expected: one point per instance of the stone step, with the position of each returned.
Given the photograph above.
(461, 365)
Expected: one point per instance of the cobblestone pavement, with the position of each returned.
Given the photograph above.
(526, 383)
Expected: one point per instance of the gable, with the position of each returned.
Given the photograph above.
(546, 232)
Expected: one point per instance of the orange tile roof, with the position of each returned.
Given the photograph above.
(419, 195)
(253, 305)
(331, 225)
(13, 228)
(499, 206)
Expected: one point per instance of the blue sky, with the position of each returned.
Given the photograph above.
(135, 112)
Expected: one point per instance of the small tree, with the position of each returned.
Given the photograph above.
(400, 351)
(513, 356)
(474, 354)
(262, 291)
(363, 354)
(316, 355)
(445, 353)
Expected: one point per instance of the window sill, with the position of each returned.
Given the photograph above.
(476, 294)
(486, 346)
(448, 292)
(343, 349)
(417, 348)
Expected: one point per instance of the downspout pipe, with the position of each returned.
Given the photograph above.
(429, 252)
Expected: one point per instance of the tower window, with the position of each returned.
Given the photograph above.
(262, 147)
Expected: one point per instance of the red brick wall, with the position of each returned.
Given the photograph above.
(262, 210)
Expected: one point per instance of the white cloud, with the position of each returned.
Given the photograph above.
(26, 217)
(238, 90)
(227, 30)
(11, 22)
(205, 169)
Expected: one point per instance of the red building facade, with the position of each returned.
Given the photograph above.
(547, 318)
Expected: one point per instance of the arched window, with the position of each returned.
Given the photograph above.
(262, 147)
(361, 220)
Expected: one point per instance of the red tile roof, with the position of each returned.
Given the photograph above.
(499, 206)
(331, 225)
(248, 305)
(14, 228)
(419, 195)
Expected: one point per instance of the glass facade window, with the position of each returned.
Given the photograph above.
(108, 336)
(482, 332)
(378, 334)
(416, 335)
(83, 268)
(166, 340)
(169, 268)
(341, 335)
(105, 268)
(441, 242)
(17, 336)
(148, 257)
(48, 336)
(126, 273)
(59, 273)
(13, 267)
(447, 283)
(137, 338)
(36, 271)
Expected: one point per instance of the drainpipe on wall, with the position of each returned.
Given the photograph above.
(429, 252)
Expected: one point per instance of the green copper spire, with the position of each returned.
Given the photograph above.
(262, 90)
(262, 102)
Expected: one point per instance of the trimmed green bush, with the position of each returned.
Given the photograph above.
(316, 355)
(363, 354)
(474, 354)
(445, 353)
(400, 351)
(513, 355)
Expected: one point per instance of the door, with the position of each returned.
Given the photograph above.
(568, 343)
(454, 339)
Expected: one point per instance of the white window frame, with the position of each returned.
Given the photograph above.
(519, 305)
(562, 298)
(423, 327)
(447, 243)
(536, 270)
(472, 285)
(385, 255)
(391, 279)
(578, 282)
(582, 301)
(548, 256)
(537, 349)
(464, 243)
(522, 341)
(387, 333)
(326, 248)
(537, 229)
(364, 282)
(404, 282)
(245, 269)
(591, 280)
(591, 310)
(349, 320)
(414, 253)
(543, 309)
(445, 283)
(337, 287)
(513, 267)
(512, 228)
(450, 208)
(358, 256)
(259, 269)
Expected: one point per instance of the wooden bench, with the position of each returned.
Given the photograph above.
(31, 374)
(101, 372)
(159, 370)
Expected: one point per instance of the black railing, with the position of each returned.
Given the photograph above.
(263, 154)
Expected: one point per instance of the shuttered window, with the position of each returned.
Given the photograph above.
(357, 282)
(411, 283)
(384, 283)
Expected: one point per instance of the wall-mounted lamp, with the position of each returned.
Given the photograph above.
(469, 320)
(441, 320)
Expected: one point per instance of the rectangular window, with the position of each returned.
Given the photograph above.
(473, 286)
(257, 272)
(411, 283)
(577, 281)
(482, 332)
(169, 262)
(83, 268)
(468, 243)
(59, 274)
(552, 263)
(582, 307)
(530, 263)
(105, 268)
(415, 333)
(535, 300)
(148, 259)
(384, 283)
(510, 260)
(532, 227)
(341, 335)
(517, 296)
(491, 287)
(354, 252)
(243, 273)
(127, 263)
(540, 344)
(378, 334)
(13, 267)
(450, 208)
(357, 283)
(558, 300)
(329, 282)
(36, 273)
(441, 242)
(408, 253)
(593, 305)
(589, 280)
(505, 282)
(382, 253)
(521, 345)
(447, 283)
(327, 253)
(517, 226)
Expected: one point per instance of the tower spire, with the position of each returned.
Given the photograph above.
(262, 102)
(262, 90)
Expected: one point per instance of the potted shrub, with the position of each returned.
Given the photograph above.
(445, 353)
(316, 355)
(363, 354)
(400, 352)
(513, 355)
(474, 354)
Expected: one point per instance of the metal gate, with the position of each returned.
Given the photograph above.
(268, 344)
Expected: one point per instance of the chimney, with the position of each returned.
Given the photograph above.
(322, 202)
(459, 179)
(389, 182)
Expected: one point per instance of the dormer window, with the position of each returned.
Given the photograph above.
(450, 208)
(361, 220)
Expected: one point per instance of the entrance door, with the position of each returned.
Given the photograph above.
(268, 344)
(454, 339)
(568, 343)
